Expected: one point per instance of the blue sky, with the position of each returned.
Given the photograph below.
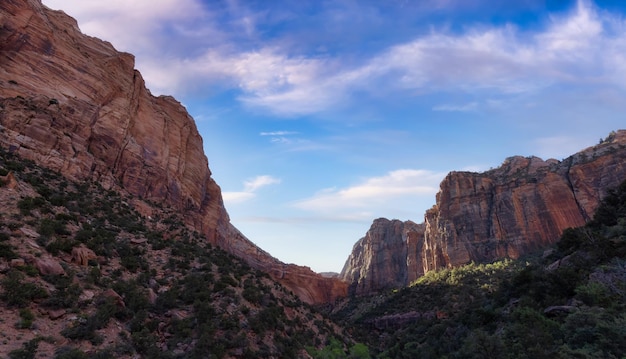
(320, 116)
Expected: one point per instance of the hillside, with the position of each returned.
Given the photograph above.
(74, 104)
(81, 271)
(566, 302)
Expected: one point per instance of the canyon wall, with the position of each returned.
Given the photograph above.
(521, 206)
(379, 260)
(76, 105)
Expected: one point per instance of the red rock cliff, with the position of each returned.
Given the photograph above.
(74, 104)
(519, 207)
(379, 260)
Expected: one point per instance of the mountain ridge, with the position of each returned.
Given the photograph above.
(521, 206)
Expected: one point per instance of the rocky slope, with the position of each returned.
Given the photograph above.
(83, 274)
(74, 104)
(522, 206)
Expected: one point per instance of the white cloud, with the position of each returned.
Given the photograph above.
(129, 25)
(501, 60)
(375, 193)
(279, 133)
(250, 188)
(585, 46)
(260, 181)
(237, 197)
(472, 106)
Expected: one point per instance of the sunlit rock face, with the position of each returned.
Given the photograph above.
(74, 104)
(522, 206)
(380, 259)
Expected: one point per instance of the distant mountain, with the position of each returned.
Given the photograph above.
(519, 207)
(74, 104)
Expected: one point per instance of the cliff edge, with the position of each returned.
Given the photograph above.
(76, 105)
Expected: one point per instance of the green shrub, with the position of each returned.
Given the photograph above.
(70, 353)
(26, 319)
(28, 350)
(19, 293)
(27, 204)
(48, 227)
(6, 251)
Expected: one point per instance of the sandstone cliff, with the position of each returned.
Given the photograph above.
(74, 104)
(523, 205)
(379, 260)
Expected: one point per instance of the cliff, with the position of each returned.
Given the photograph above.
(522, 206)
(74, 104)
(379, 260)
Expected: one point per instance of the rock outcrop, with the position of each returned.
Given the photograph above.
(522, 206)
(379, 260)
(74, 104)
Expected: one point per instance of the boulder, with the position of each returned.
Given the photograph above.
(82, 255)
(48, 266)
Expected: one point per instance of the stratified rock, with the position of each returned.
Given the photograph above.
(74, 104)
(522, 206)
(380, 259)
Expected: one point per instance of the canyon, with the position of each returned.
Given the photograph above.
(76, 105)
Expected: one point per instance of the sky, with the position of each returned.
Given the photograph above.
(320, 116)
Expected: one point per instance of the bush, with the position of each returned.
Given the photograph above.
(27, 204)
(6, 251)
(28, 350)
(19, 293)
(26, 319)
(70, 353)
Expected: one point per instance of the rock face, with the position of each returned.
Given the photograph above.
(74, 104)
(523, 205)
(379, 260)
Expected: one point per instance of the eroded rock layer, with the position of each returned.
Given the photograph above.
(74, 104)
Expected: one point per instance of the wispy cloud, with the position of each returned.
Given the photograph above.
(279, 133)
(499, 60)
(132, 25)
(472, 106)
(250, 187)
(374, 193)
(254, 184)
(584, 46)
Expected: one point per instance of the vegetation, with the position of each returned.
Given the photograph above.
(570, 303)
(166, 293)
(159, 286)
